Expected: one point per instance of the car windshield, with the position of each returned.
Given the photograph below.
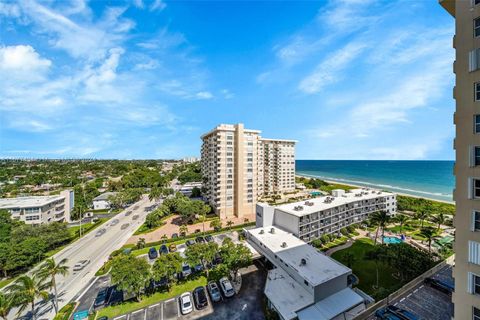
(186, 267)
(186, 304)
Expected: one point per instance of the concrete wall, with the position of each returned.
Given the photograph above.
(264, 216)
(286, 221)
(330, 287)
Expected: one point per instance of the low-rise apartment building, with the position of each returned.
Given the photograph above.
(312, 218)
(102, 201)
(40, 209)
(239, 166)
(305, 284)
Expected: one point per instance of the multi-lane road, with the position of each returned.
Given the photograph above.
(95, 248)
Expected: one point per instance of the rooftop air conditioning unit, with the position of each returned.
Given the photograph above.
(262, 232)
(284, 244)
(272, 230)
(303, 262)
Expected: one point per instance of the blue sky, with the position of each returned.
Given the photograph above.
(358, 79)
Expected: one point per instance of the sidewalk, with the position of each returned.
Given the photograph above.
(172, 226)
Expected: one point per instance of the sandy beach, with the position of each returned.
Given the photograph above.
(377, 187)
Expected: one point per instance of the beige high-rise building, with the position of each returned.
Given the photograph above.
(239, 166)
(467, 155)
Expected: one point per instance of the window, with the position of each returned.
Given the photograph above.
(476, 27)
(476, 312)
(476, 127)
(476, 188)
(473, 60)
(476, 284)
(477, 156)
(476, 88)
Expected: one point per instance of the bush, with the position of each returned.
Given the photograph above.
(344, 231)
(317, 243)
(65, 312)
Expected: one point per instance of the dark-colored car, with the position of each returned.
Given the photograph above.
(200, 298)
(154, 284)
(174, 235)
(124, 226)
(200, 239)
(135, 217)
(190, 242)
(214, 291)
(440, 285)
(198, 268)
(208, 238)
(163, 249)
(115, 297)
(402, 313)
(128, 213)
(102, 298)
(152, 253)
(217, 260)
(384, 314)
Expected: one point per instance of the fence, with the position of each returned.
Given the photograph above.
(404, 290)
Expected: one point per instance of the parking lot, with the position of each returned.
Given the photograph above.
(247, 304)
(427, 302)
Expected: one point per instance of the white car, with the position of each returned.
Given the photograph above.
(80, 265)
(186, 305)
(227, 287)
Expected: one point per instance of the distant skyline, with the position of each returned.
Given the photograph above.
(357, 79)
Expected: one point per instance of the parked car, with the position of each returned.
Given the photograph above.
(208, 238)
(128, 213)
(136, 207)
(154, 284)
(440, 285)
(200, 298)
(384, 314)
(227, 287)
(115, 297)
(214, 291)
(217, 260)
(172, 247)
(80, 265)
(102, 298)
(186, 270)
(124, 226)
(152, 253)
(402, 313)
(163, 249)
(174, 235)
(190, 242)
(198, 268)
(186, 303)
(200, 239)
(135, 217)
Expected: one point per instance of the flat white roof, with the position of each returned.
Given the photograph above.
(332, 306)
(287, 295)
(319, 203)
(318, 267)
(28, 202)
(279, 140)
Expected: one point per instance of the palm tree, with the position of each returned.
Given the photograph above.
(381, 220)
(429, 234)
(439, 219)
(6, 304)
(422, 215)
(229, 224)
(155, 193)
(25, 290)
(183, 229)
(376, 254)
(48, 271)
(402, 219)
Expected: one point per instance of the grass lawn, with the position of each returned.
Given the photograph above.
(175, 290)
(107, 211)
(6, 282)
(365, 270)
(86, 228)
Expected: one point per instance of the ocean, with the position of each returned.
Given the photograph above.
(428, 179)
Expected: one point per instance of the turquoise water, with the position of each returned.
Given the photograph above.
(390, 240)
(429, 179)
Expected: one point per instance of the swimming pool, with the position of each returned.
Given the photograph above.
(390, 240)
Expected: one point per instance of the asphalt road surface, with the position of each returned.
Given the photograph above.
(94, 248)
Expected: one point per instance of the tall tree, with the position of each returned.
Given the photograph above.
(235, 256)
(439, 219)
(216, 224)
(25, 290)
(6, 305)
(429, 234)
(422, 215)
(381, 220)
(402, 219)
(183, 229)
(201, 253)
(130, 274)
(48, 271)
(166, 266)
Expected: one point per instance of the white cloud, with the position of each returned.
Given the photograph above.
(22, 58)
(157, 5)
(29, 125)
(204, 95)
(329, 70)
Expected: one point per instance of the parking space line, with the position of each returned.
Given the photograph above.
(121, 317)
(169, 300)
(137, 311)
(161, 311)
(401, 300)
(145, 316)
(154, 305)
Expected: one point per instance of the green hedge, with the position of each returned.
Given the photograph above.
(66, 312)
